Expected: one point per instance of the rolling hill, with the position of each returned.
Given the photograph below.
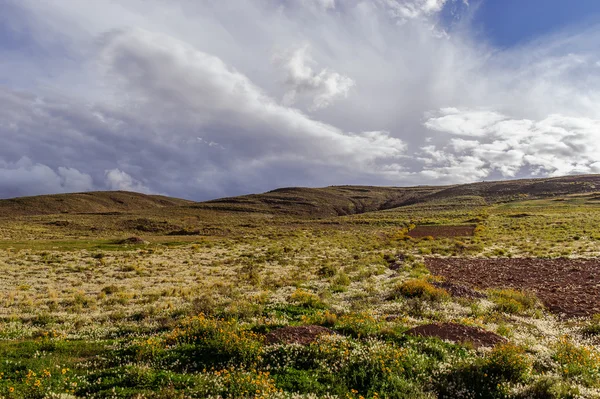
(85, 203)
(308, 202)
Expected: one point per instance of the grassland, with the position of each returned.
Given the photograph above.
(184, 312)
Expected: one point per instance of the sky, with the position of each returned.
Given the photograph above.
(205, 99)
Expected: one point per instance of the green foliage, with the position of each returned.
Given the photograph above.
(593, 328)
(200, 342)
(578, 362)
(419, 288)
(488, 377)
(307, 300)
(550, 388)
(513, 301)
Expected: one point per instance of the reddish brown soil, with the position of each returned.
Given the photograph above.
(302, 335)
(568, 287)
(442, 231)
(478, 337)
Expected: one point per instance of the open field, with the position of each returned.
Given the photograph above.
(569, 287)
(194, 307)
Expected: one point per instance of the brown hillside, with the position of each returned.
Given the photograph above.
(85, 203)
(323, 202)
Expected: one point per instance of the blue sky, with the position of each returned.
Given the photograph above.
(207, 99)
(511, 22)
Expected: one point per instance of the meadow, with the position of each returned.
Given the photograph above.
(192, 307)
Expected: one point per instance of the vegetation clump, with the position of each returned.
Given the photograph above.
(513, 301)
(420, 288)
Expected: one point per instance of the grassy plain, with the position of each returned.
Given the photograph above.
(184, 314)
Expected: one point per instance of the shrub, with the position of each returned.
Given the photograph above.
(593, 328)
(549, 388)
(419, 288)
(579, 362)
(488, 377)
(306, 300)
(328, 270)
(200, 341)
(513, 301)
(110, 289)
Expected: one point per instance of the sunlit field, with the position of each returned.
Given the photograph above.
(193, 302)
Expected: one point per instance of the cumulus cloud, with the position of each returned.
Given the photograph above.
(24, 177)
(324, 86)
(557, 145)
(116, 179)
(192, 104)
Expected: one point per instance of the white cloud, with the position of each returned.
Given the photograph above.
(25, 177)
(203, 90)
(556, 145)
(320, 4)
(323, 86)
(116, 179)
(470, 123)
(409, 9)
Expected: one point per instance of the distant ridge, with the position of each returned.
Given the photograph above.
(90, 202)
(308, 202)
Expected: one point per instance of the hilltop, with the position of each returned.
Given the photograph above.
(306, 202)
(85, 203)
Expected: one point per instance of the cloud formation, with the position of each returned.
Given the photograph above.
(557, 145)
(189, 99)
(301, 79)
(24, 178)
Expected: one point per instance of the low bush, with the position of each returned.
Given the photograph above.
(578, 362)
(489, 377)
(306, 299)
(419, 288)
(513, 301)
(593, 328)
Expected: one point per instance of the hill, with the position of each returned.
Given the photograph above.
(501, 191)
(85, 203)
(348, 200)
(323, 202)
(307, 202)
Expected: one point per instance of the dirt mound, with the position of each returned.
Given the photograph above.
(478, 337)
(442, 231)
(132, 241)
(458, 290)
(567, 287)
(302, 335)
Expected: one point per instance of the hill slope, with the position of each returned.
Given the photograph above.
(508, 190)
(323, 202)
(92, 202)
(306, 202)
(346, 200)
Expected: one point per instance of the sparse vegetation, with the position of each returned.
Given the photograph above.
(186, 313)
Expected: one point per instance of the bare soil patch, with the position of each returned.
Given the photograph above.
(567, 287)
(476, 336)
(442, 231)
(303, 335)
